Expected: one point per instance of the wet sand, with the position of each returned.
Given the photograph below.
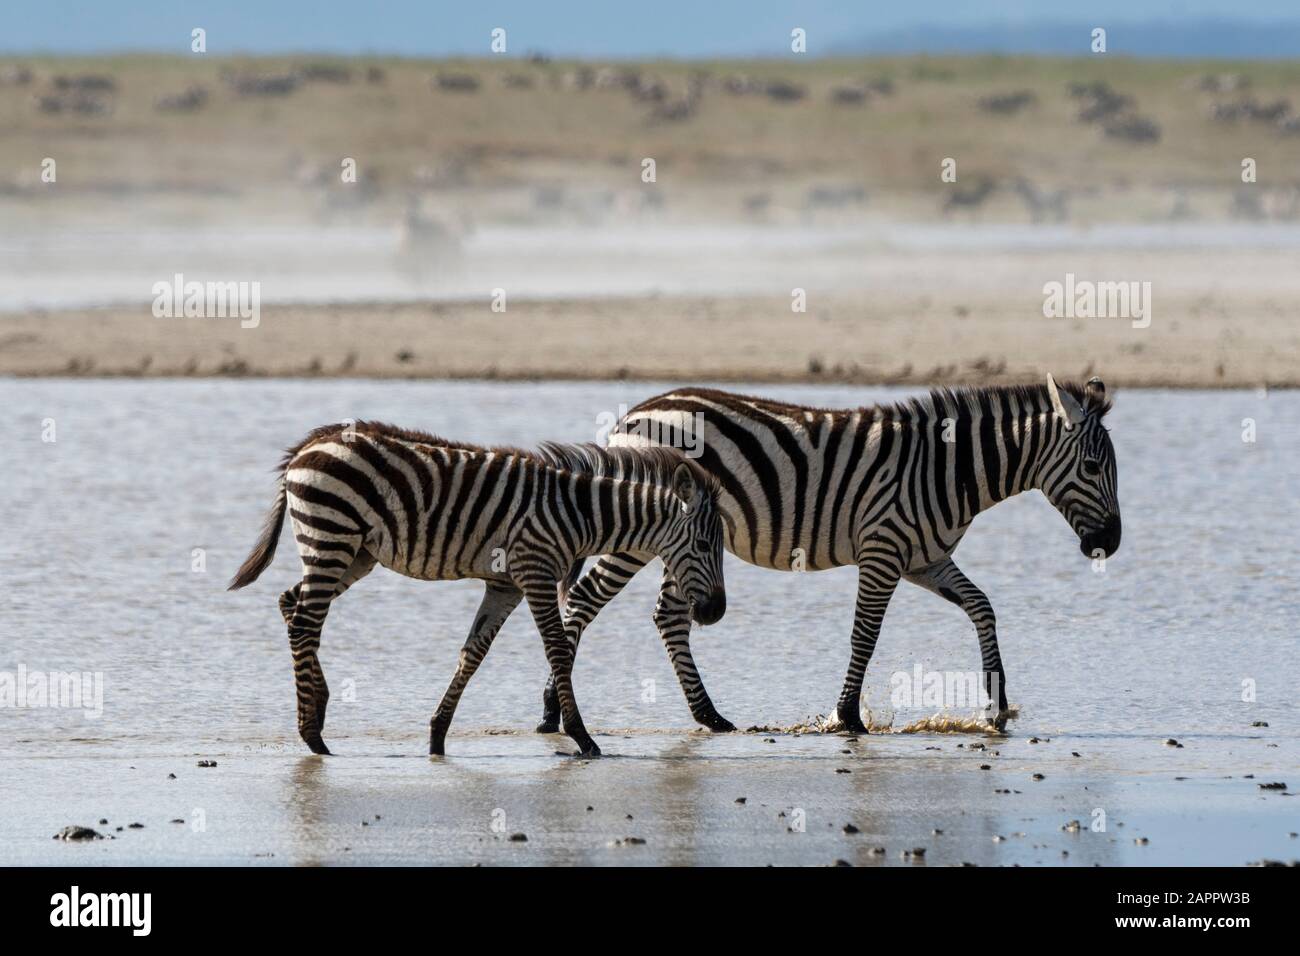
(1196, 340)
(693, 798)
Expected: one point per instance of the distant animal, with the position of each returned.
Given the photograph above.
(1006, 104)
(1043, 204)
(835, 196)
(367, 493)
(456, 82)
(968, 195)
(888, 489)
(429, 243)
(188, 101)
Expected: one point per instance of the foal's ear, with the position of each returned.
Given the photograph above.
(684, 484)
(1064, 404)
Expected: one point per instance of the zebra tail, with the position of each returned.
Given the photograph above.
(264, 551)
(570, 579)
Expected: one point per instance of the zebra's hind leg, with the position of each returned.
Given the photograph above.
(673, 619)
(327, 573)
(498, 601)
(598, 587)
(945, 579)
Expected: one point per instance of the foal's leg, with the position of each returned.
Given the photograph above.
(327, 572)
(610, 574)
(498, 601)
(360, 566)
(542, 601)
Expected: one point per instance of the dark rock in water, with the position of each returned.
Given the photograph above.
(1038, 776)
(74, 832)
(1266, 863)
(629, 841)
(841, 863)
(1172, 743)
(1260, 723)
(842, 770)
(742, 800)
(103, 821)
(1275, 785)
(590, 808)
(1141, 841)
(877, 851)
(135, 826)
(178, 820)
(171, 776)
(519, 838)
(206, 763)
(985, 766)
(850, 828)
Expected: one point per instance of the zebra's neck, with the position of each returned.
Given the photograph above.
(995, 443)
(614, 514)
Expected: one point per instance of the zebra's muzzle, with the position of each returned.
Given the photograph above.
(710, 611)
(1105, 539)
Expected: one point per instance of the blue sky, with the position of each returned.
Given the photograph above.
(594, 28)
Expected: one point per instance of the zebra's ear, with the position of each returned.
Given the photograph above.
(684, 486)
(1064, 404)
(1095, 392)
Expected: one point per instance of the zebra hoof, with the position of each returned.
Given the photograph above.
(852, 724)
(716, 723)
(588, 753)
(548, 726)
(315, 744)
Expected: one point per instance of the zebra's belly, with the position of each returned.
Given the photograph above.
(428, 553)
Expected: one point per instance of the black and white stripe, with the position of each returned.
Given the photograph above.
(889, 489)
(366, 494)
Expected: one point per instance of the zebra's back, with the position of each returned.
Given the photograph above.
(791, 476)
(422, 506)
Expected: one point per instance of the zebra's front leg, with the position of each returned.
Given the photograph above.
(498, 601)
(673, 619)
(878, 574)
(598, 587)
(542, 601)
(945, 579)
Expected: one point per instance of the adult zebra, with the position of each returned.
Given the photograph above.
(890, 489)
(367, 493)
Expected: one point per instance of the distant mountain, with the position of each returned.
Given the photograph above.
(1209, 39)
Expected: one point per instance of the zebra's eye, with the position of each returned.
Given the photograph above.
(1090, 466)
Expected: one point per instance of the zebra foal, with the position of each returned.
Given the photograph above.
(366, 494)
(889, 489)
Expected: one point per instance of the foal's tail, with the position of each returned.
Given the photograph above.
(264, 550)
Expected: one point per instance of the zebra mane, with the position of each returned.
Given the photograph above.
(654, 464)
(400, 434)
(944, 400)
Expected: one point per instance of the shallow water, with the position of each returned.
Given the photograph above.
(121, 535)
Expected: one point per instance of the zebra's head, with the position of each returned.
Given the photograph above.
(1078, 476)
(692, 548)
